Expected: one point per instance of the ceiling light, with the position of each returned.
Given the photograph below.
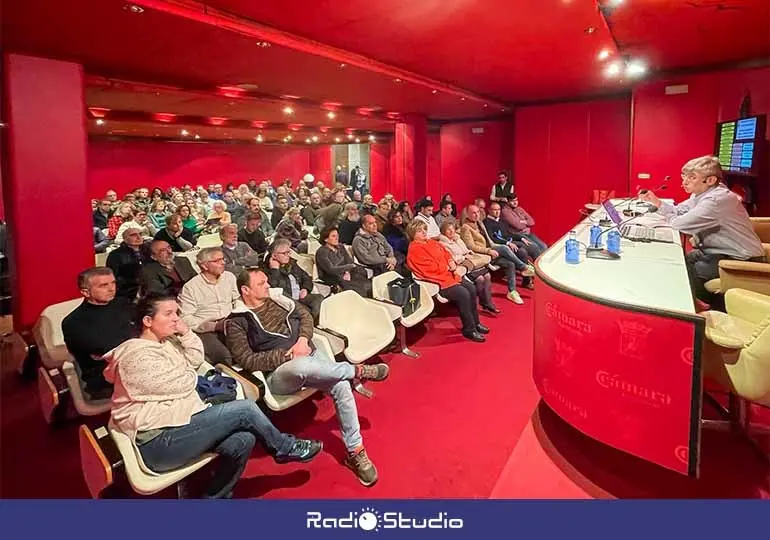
(358, 140)
(263, 44)
(397, 80)
(315, 138)
(486, 105)
(434, 92)
(612, 70)
(343, 66)
(371, 138)
(614, 3)
(635, 68)
(331, 115)
(604, 54)
(307, 141)
(288, 110)
(337, 139)
(197, 137)
(350, 136)
(590, 30)
(133, 8)
(184, 133)
(259, 138)
(100, 122)
(288, 137)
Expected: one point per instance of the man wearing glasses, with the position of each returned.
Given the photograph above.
(716, 220)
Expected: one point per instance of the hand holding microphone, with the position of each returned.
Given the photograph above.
(649, 196)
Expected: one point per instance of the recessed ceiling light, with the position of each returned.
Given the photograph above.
(434, 92)
(247, 86)
(604, 54)
(590, 30)
(331, 115)
(263, 44)
(259, 138)
(133, 8)
(635, 68)
(462, 99)
(197, 137)
(371, 138)
(337, 139)
(315, 138)
(486, 105)
(358, 140)
(100, 122)
(288, 110)
(288, 137)
(612, 70)
(307, 141)
(397, 80)
(343, 66)
(350, 136)
(184, 133)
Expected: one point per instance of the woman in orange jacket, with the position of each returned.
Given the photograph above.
(430, 261)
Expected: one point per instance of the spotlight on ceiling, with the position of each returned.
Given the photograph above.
(337, 139)
(197, 137)
(288, 137)
(330, 115)
(133, 8)
(288, 110)
(263, 44)
(100, 122)
(613, 70)
(604, 54)
(372, 138)
(184, 133)
(358, 140)
(350, 136)
(434, 92)
(635, 68)
(315, 138)
(307, 141)
(462, 99)
(343, 66)
(260, 138)
(397, 80)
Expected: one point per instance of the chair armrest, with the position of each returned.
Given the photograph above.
(718, 337)
(751, 276)
(336, 342)
(747, 305)
(337, 335)
(745, 266)
(253, 388)
(394, 310)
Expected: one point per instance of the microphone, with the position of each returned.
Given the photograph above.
(661, 187)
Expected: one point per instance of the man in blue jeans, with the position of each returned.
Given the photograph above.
(274, 336)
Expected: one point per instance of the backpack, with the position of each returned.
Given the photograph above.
(214, 387)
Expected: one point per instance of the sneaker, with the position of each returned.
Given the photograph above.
(493, 267)
(529, 271)
(514, 297)
(372, 372)
(302, 451)
(365, 470)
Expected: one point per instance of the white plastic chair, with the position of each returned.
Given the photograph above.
(307, 263)
(58, 374)
(380, 292)
(433, 289)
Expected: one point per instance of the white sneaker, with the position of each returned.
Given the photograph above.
(514, 297)
(529, 271)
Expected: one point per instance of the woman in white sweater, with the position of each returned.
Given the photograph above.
(156, 403)
(473, 263)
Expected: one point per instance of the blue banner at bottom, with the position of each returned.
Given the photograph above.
(237, 520)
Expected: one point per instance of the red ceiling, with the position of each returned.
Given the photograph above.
(476, 55)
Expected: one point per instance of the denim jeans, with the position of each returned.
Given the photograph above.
(322, 373)
(229, 429)
(536, 247)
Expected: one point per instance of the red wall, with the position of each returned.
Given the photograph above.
(433, 168)
(669, 130)
(321, 164)
(470, 161)
(379, 169)
(126, 165)
(562, 153)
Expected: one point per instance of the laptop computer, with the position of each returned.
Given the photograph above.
(636, 232)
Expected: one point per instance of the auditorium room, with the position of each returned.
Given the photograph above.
(432, 249)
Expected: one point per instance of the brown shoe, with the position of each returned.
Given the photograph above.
(365, 470)
(372, 372)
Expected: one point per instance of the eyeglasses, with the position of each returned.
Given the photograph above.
(281, 252)
(217, 260)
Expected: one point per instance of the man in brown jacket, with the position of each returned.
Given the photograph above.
(274, 335)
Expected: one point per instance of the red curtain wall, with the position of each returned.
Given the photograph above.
(433, 167)
(125, 165)
(379, 169)
(671, 129)
(470, 161)
(563, 152)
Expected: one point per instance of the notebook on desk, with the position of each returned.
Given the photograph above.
(637, 232)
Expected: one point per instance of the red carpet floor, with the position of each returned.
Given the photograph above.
(442, 425)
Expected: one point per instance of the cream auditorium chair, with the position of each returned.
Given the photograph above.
(736, 352)
(380, 293)
(208, 240)
(367, 327)
(307, 263)
(762, 228)
(106, 454)
(752, 276)
(58, 380)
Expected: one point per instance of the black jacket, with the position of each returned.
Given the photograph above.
(155, 279)
(187, 234)
(100, 220)
(500, 231)
(255, 240)
(126, 264)
(279, 277)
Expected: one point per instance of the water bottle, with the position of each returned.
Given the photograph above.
(572, 249)
(596, 233)
(613, 241)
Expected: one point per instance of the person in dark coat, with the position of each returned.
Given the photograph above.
(165, 274)
(126, 263)
(284, 273)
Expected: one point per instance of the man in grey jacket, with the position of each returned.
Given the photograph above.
(238, 255)
(372, 249)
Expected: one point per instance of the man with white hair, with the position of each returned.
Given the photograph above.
(165, 274)
(206, 300)
(237, 254)
(717, 221)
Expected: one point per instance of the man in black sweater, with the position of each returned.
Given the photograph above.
(98, 325)
(179, 238)
(252, 233)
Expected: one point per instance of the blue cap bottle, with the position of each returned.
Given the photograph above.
(613, 241)
(596, 233)
(572, 249)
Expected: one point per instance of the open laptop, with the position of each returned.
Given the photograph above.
(636, 232)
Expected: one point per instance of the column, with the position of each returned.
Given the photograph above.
(410, 158)
(46, 200)
(321, 164)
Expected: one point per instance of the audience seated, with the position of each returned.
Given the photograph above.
(157, 405)
(207, 299)
(179, 238)
(237, 254)
(373, 251)
(406, 212)
(395, 233)
(158, 213)
(284, 273)
(500, 232)
(424, 209)
(281, 205)
(520, 221)
(126, 263)
(292, 230)
(430, 261)
(275, 337)
(189, 221)
(100, 241)
(125, 212)
(351, 224)
(102, 322)
(445, 213)
(165, 274)
(336, 266)
(333, 213)
(475, 236)
(481, 204)
(311, 212)
(141, 222)
(368, 206)
(102, 214)
(381, 215)
(252, 233)
(475, 264)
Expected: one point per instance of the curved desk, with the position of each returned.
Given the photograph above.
(617, 348)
